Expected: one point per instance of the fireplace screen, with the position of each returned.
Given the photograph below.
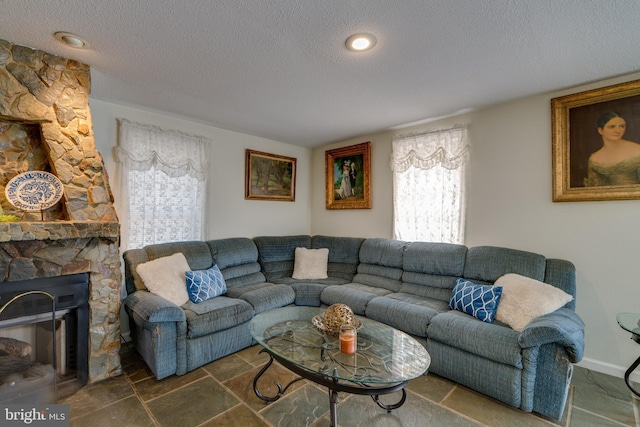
(43, 338)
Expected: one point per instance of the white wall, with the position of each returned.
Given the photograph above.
(509, 204)
(229, 214)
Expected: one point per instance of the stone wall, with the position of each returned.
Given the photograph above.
(37, 88)
(45, 124)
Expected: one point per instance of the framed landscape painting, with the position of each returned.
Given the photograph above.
(596, 144)
(269, 177)
(347, 175)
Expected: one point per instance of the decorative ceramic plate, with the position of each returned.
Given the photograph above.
(318, 323)
(34, 190)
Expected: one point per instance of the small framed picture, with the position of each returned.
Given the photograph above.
(596, 144)
(269, 177)
(347, 174)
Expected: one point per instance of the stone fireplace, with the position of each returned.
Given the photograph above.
(45, 124)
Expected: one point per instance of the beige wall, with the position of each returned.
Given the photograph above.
(509, 204)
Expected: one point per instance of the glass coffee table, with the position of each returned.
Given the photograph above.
(385, 359)
(630, 322)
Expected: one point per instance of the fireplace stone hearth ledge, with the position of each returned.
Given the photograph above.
(26, 231)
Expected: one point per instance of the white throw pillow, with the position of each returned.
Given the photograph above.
(524, 299)
(310, 264)
(166, 277)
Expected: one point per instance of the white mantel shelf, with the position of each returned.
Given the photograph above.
(57, 230)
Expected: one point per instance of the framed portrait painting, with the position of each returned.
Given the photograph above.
(596, 144)
(269, 177)
(347, 176)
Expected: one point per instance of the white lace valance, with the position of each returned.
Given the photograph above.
(141, 147)
(447, 148)
(429, 202)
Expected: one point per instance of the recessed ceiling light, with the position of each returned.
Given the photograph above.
(71, 40)
(360, 42)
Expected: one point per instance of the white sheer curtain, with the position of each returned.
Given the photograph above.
(429, 199)
(161, 178)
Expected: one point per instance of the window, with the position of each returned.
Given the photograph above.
(429, 198)
(162, 181)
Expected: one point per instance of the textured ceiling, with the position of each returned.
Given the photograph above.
(279, 69)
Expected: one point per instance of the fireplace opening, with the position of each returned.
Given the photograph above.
(38, 364)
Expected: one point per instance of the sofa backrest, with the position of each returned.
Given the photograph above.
(485, 264)
(277, 254)
(431, 269)
(562, 274)
(237, 259)
(381, 263)
(344, 254)
(197, 254)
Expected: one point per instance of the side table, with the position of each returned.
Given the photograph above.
(630, 322)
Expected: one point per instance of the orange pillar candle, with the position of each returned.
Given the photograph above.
(348, 339)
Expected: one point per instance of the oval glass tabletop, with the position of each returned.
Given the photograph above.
(384, 355)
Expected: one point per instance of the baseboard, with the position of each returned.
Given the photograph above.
(608, 368)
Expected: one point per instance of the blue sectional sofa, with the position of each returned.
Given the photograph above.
(404, 284)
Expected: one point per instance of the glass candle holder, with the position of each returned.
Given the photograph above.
(348, 339)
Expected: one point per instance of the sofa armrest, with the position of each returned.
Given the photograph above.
(153, 308)
(563, 327)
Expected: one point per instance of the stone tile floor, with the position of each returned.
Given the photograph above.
(221, 394)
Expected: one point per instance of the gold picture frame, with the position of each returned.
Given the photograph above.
(579, 124)
(347, 177)
(269, 177)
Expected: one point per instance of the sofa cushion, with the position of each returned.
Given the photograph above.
(479, 301)
(308, 291)
(277, 253)
(237, 259)
(165, 277)
(409, 313)
(215, 315)
(310, 264)
(562, 274)
(491, 341)
(242, 275)
(233, 251)
(355, 295)
(343, 255)
(131, 258)
(205, 284)
(386, 252)
(381, 264)
(264, 296)
(440, 259)
(431, 269)
(197, 253)
(525, 299)
(485, 264)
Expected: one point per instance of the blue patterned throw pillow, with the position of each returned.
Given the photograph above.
(205, 284)
(477, 300)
